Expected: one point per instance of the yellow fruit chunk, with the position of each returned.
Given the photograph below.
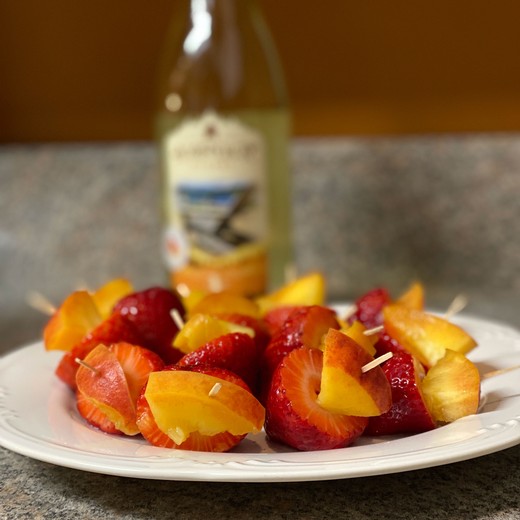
(202, 328)
(184, 402)
(413, 297)
(345, 389)
(110, 293)
(356, 331)
(451, 388)
(424, 335)
(306, 290)
(76, 316)
(226, 303)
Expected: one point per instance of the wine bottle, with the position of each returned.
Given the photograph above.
(223, 129)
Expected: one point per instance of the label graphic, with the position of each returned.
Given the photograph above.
(216, 201)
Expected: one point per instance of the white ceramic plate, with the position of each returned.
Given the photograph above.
(38, 419)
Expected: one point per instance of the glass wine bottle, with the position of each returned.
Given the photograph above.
(223, 128)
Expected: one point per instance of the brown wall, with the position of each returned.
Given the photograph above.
(83, 69)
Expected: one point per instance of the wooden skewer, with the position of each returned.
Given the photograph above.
(86, 365)
(215, 284)
(374, 330)
(177, 318)
(376, 362)
(183, 290)
(215, 389)
(500, 371)
(459, 302)
(39, 302)
(350, 312)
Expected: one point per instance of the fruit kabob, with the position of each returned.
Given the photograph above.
(201, 371)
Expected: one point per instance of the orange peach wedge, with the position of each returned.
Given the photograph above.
(76, 316)
(201, 328)
(184, 402)
(226, 303)
(305, 290)
(106, 296)
(451, 388)
(413, 297)
(356, 331)
(425, 335)
(345, 388)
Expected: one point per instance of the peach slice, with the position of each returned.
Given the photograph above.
(106, 296)
(201, 328)
(356, 331)
(451, 388)
(413, 297)
(186, 402)
(104, 384)
(345, 389)
(424, 335)
(76, 316)
(305, 290)
(226, 303)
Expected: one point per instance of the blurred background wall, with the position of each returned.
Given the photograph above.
(84, 70)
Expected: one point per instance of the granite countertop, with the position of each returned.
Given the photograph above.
(367, 211)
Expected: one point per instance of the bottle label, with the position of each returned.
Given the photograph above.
(216, 231)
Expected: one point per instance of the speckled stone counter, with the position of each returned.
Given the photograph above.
(444, 210)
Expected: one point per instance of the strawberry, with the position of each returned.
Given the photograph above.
(293, 416)
(370, 307)
(220, 442)
(94, 416)
(236, 352)
(305, 326)
(114, 329)
(408, 413)
(262, 335)
(150, 313)
(107, 392)
(386, 343)
(275, 318)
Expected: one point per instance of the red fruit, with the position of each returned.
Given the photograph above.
(137, 363)
(108, 391)
(293, 416)
(150, 313)
(116, 328)
(386, 343)
(276, 317)
(236, 352)
(94, 416)
(305, 327)
(370, 307)
(262, 335)
(220, 442)
(408, 413)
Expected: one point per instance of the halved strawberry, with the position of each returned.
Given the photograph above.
(305, 326)
(370, 307)
(94, 416)
(236, 352)
(220, 442)
(293, 416)
(111, 382)
(114, 329)
(409, 413)
(150, 313)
